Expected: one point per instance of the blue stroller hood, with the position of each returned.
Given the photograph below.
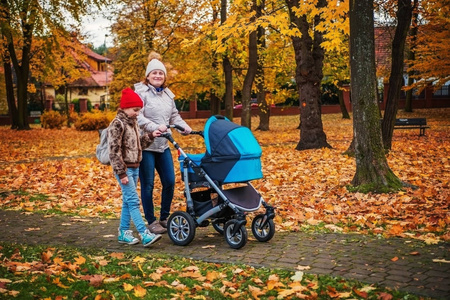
(232, 152)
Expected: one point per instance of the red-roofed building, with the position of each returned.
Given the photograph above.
(94, 87)
(383, 49)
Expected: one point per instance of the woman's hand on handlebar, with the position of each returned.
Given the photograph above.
(156, 133)
(183, 130)
(187, 130)
(162, 128)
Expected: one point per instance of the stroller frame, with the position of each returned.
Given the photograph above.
(228, 216)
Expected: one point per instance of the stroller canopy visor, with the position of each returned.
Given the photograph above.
(232, 152)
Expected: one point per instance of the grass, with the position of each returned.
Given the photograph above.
(41, 272)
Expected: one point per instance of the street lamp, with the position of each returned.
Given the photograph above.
(106, 75)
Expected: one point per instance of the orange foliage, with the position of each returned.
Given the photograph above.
(308, 188)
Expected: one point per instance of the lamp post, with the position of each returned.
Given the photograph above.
(106, 75)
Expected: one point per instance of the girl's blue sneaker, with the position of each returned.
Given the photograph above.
(126, 237)
(149, 238)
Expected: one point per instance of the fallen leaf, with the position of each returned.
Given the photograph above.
(96, 280)
(139, 291)
(298, 276)
(384, 296)
(208, 246)
(302, 268)
(441, 261)
(33, 229)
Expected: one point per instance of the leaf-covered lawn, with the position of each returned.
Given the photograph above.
(55, 171)
(37, 272)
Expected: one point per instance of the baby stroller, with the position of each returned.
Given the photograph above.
(217, 186)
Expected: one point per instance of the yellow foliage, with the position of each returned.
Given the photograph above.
(94, 120)
(52, 119)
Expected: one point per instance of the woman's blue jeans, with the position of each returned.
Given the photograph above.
(130, 202)
(163, 164)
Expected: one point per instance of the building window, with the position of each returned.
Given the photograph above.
(83, 91)
(442, 92)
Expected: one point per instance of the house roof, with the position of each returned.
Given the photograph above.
(95, 56)
(102, 78)
(96, 78)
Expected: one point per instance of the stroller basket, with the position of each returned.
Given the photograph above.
(202, 201)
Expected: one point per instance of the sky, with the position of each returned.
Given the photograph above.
(94, 27)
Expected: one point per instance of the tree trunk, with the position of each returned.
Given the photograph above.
(7, 60)
(12, 108)
(22, 95)
(345, 114)
(263, 108)
(308, 76)
(412, 56)
(21, 65)
(214, 100)
(404, 14)
(227, 69)
(215, 103)
(66, 102)
(246, 116)
(372, 171)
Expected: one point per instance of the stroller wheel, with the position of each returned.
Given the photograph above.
(263, 233)
(238, 239)
(181, 228)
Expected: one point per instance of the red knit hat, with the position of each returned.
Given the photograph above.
(130, 99)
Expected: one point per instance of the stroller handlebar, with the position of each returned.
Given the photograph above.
(176, 127)
(180, 128)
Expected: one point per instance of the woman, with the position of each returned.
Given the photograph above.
(159, 110)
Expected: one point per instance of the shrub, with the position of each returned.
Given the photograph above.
(52, 119)
(76, 103)
(73, 117)
(94, 120)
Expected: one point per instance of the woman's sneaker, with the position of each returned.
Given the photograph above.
(126, 237)
(149, 238)
(156, 228)
(163, 223)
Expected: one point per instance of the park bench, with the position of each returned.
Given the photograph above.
(412, 123)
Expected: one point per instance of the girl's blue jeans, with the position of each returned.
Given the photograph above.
(130, 202)
(163, 164)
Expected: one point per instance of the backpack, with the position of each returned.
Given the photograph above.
(102, 150)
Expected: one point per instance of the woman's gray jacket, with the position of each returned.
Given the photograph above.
(159, 109)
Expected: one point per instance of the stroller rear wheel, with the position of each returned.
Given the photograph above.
(263, 233)
(218, 227)
(219, 224)
(235, 240)
(181, 228)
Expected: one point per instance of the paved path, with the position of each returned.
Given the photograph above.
(420, 269)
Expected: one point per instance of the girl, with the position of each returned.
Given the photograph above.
(125, 153)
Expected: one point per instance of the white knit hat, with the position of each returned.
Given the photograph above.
(155, 64)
